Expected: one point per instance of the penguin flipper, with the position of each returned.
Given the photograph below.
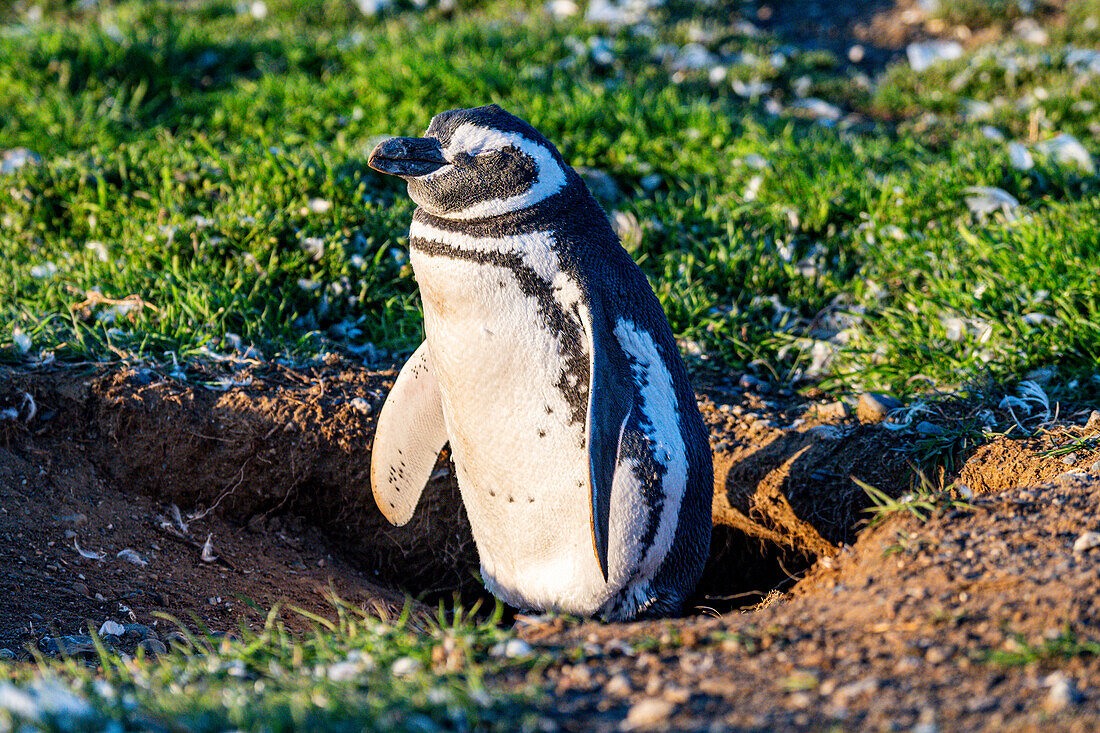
(610, 400)
(410, 433)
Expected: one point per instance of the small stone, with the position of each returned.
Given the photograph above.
(1093, 422)
(831, 411)
(619, 686)
(749, 382)
(70, 646)
(600, 183)
(1095, 467)
(926, 428)
(937, 654)
(152, 646)
(873, 408)
(1063, 693)
(82, 589)
(7, 655)
(405, 666)
(111, 628)
(180, 639)
(139, 631)
(1069, 459)
(1086, 542)
(650, 713)
(651, 182)
(514, 649)
(856, 53)
(1029, 31)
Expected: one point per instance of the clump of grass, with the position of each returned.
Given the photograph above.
(922, 503)
(352, 673)
(1066, 645)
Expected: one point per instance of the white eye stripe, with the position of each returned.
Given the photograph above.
(474, 140)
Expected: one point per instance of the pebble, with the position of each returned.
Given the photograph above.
(873, 408)
(619, 686)
(749, 382)
(139, 631)
(14, 159)
(152, 646)
(650, 713)
(71, 646)
(831, 411)
(6, 655)
(1086, 542)
(1069, 459)
(1093, 423)
(179, 639)
(1020, 157)
(405, 666)
(600, 183)
(651, 182)
(926, 428)
(1063, 693)
(512, 649)
(1095, 467)
(111, 628)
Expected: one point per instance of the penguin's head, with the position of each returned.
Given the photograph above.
(474, 164)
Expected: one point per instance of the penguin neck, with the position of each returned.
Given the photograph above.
(571, 200)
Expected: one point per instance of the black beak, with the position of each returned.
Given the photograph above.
(407, 157)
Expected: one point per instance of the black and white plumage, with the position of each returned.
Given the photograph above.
(550, 368)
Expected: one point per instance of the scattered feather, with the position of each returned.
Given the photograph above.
(22, 340)
(926, 54)
(1066, 149)
(178, 519)
(88, 554)
(1020, 157)
(132, 556)
(988, 199)
(207, 554)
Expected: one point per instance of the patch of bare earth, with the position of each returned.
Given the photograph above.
(960, 621)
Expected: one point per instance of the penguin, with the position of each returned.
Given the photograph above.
(550, 368)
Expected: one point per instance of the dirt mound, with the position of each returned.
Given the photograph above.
(274, 464)
(984, 617)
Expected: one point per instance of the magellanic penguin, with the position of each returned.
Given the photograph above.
(550, 368)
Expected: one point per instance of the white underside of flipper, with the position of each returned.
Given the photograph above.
(411, 431)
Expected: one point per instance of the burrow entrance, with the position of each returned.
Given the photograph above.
(271, 465)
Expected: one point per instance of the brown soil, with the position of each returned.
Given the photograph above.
(275, 472)
(982, 618)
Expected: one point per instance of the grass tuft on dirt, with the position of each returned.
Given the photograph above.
(355, 673)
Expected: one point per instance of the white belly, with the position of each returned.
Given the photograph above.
(518, 447)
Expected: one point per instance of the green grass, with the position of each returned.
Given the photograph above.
(354, 674)
(182, 145)
(1066, 645)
